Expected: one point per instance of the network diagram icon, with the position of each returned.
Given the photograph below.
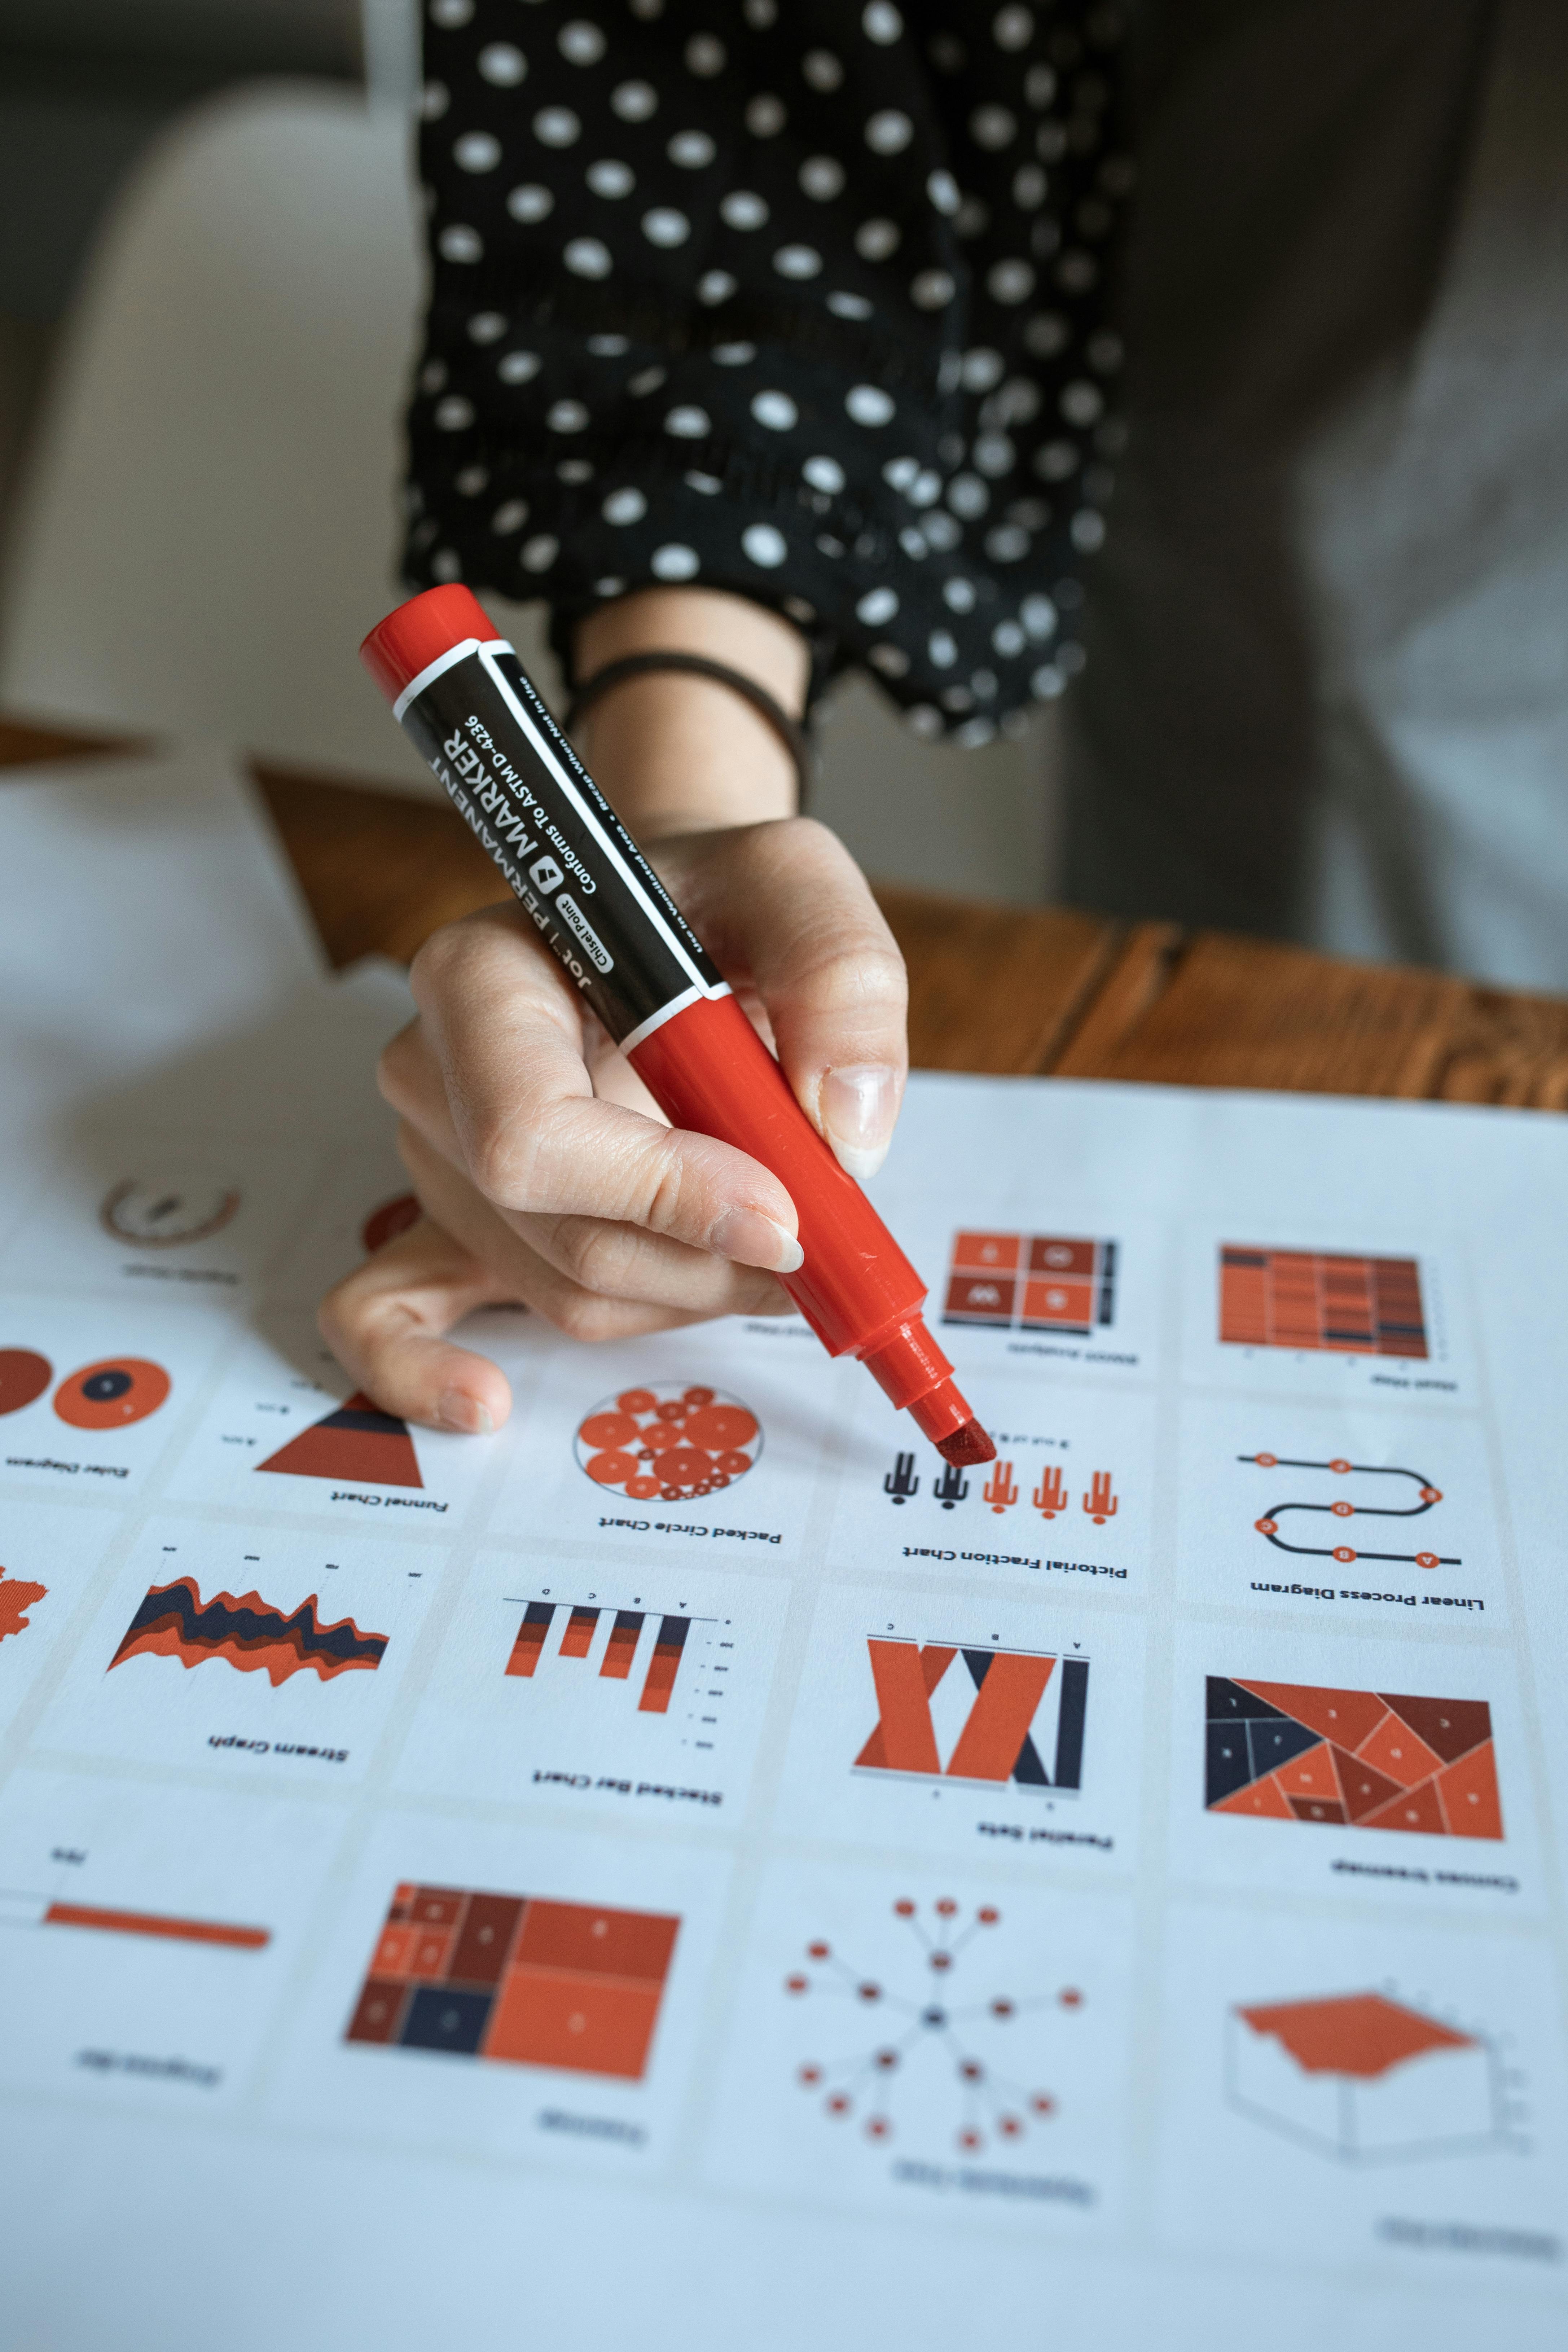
(917, 2039)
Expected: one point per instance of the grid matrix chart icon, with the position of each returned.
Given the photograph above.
(515, 1978)
(1031, 1282)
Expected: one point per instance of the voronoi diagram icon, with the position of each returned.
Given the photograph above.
(940, 2020)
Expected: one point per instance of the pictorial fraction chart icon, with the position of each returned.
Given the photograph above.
(996, 1701)
(1411, 1501)
(1050, 1494)
(620, 1650)
(1312, 1298)
(17, 1597)
(667, 1440)
(110, 1394)
(1031, 1282)
(356, 1441)
(174, 1622)
(1357, 1760)
(919, 2034)
(518, 1979)
(1367, 2078)
(166, 1215)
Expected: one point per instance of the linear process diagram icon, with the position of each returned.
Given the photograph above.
(1365, 2078)
(1355, 1759)
(1411, 1501)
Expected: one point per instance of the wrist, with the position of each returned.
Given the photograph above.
(675, 754)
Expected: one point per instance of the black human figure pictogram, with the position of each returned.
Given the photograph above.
(901, 1482)
(950, 1487)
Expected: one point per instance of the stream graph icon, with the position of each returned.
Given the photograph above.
(1425, 1497)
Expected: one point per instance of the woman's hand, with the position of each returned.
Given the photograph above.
(544, 1169)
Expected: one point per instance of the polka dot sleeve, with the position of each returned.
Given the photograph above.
(798, 299)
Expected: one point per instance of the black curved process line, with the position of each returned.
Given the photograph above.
(1269, 1524)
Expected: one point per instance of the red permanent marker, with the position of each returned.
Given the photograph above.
(466, 703)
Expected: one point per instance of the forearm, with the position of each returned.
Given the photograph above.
(678, 754)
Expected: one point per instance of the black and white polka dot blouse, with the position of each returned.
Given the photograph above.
(799, 299)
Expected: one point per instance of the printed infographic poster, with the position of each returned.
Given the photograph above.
(162, 1214)
(363, 1203)
(274, 1656)
(934, 2044)
(91, 1392)
(1346, 1513)
(284, 1434)
(1306, 1765)
(531, 1993)
(704, 1444)
(1347, 1316)
(48, 1559)
(1014, 1290)
(1066, 1505)
(1346, 2094)
(631, 1693)
(147, 1933)
(968, 1725)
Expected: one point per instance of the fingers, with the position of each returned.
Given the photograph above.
(784, 907)
(506, 1037)
(590, 1279)
(384, 1324)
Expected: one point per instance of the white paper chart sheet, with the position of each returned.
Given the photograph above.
(693, 1869)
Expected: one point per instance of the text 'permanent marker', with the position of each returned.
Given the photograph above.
(475, 717)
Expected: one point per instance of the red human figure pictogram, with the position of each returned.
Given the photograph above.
(1100, 1502)
(1050, 1494)
(999, 1489)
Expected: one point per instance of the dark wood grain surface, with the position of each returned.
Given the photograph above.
(992, 988)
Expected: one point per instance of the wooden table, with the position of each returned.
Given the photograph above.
(1027, 991)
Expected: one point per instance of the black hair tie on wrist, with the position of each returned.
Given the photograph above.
(790, 732)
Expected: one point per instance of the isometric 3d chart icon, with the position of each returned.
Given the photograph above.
(1365, 2077)
(1351, 1759)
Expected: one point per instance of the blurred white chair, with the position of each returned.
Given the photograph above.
(208, 524)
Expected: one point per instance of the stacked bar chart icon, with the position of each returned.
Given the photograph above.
(619, 1654)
